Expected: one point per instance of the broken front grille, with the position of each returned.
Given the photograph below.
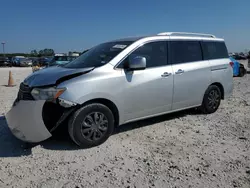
(24, 92)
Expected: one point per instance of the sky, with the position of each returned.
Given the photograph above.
(74, 25)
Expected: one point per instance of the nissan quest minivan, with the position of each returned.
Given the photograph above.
(123, 81)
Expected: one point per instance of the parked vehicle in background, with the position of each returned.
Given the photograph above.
(4, 61)
(238, 68)
(42, 61)
(239, 57)
(123, 81)
(73, 54)
(58, 60)
(25, 62)
(33, 59)
(16, 60)
(10, 60)
(61, 60)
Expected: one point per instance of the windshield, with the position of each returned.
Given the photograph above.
(99, 55)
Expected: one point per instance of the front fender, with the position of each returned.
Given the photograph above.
(100, 95)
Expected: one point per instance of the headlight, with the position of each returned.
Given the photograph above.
(47, 93)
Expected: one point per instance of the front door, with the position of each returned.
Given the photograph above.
(148, 92)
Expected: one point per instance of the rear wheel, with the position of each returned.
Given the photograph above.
(242, 72)
(91, 125)
(211, 100)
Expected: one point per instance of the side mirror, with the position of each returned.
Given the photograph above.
(137, 63)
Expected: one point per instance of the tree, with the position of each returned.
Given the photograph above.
(33, 53)
(46, 52)
(41, 52)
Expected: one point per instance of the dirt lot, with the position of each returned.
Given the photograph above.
(184, 149)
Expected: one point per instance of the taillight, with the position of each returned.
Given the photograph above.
(232, 64)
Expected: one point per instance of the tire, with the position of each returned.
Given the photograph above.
(90, 133)
(211, 100)
(241, 72)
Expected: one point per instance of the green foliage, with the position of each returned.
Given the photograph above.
(33, 53)
(15, 54)
(46, 52)
(42, 53)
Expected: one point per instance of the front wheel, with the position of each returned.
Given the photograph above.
(91, 125)
(211, 100)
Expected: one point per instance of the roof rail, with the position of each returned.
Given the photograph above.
(184, 33)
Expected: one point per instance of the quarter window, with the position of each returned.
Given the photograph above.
(214, 50)
(185, 51)
(154, 52)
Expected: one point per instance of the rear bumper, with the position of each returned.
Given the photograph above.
(26, 123)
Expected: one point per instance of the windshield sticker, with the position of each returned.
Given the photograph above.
(121, 46)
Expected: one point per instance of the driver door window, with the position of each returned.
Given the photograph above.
(154, 52)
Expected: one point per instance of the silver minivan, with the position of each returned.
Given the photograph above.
(123, 81)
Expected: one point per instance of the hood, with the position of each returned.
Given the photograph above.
(53, 75)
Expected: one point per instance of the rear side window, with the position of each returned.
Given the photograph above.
(214, 50)
(185, 51)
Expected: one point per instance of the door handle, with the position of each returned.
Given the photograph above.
(180, 71)
(165, 74)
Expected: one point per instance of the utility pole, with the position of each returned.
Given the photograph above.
(3, 43)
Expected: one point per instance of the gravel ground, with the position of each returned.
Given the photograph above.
(184, 149)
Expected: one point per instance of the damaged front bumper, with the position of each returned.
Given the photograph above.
(34, 120)
(26, 122)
